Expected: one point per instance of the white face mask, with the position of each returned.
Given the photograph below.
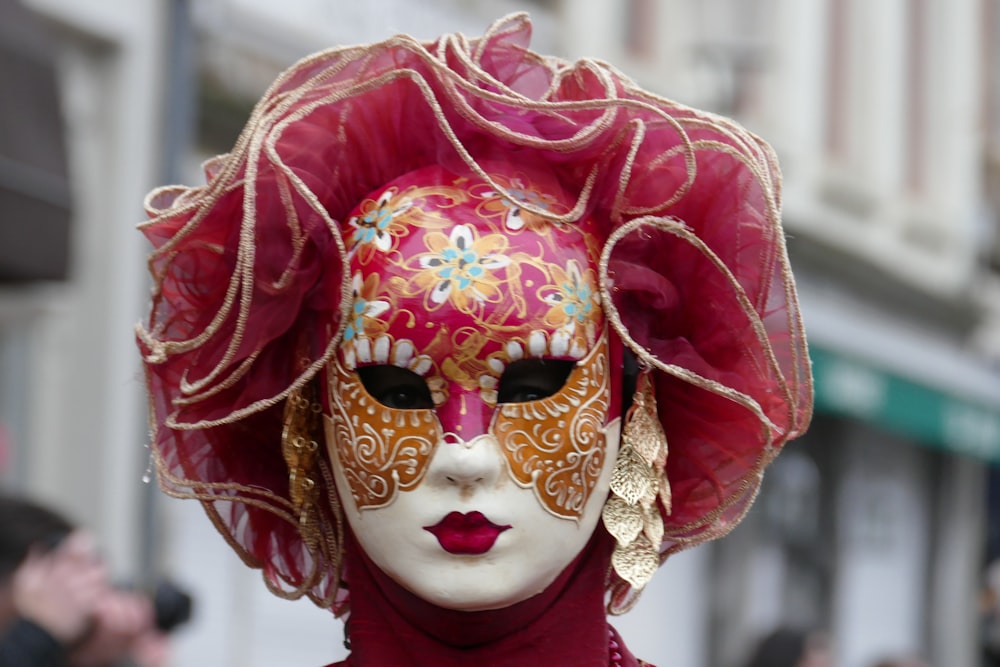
(467, 534)
(473, 429)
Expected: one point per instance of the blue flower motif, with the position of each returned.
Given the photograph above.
(373, 224)
(462, 266)
(360, 309)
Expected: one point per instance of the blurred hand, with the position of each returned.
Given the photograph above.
(815, 659)
(817, 653)
(151, 650)
(59, 590)
(121, 619)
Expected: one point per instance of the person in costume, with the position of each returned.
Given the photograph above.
(462, 342)
(57, 605)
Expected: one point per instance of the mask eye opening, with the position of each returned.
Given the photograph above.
(527, 380)
(395, 387)
(630, 377)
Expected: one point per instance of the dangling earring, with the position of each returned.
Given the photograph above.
(300, 448)
(639, 479)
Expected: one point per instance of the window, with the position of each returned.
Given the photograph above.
(837, 80)
(915, 140)
(640, 28)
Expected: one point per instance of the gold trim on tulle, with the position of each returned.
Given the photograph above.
(257, 146)
(711, 525)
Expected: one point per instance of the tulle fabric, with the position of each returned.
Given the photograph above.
(250, 289)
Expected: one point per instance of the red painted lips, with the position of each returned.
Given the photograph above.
(467, 534)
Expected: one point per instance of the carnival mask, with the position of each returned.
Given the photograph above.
(474, 397)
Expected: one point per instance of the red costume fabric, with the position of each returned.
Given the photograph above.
(564, 626)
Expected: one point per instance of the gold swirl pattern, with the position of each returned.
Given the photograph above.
(381, 450)
(556, 445)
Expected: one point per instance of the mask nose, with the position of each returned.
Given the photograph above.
(464, 416)
(467, 457)
(466, 465)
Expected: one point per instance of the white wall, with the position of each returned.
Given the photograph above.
(84, 397)
(237, 622)
(669, 625)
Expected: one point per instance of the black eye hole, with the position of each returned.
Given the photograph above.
(533, 379)
(396, 387)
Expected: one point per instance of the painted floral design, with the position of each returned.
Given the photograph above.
(508, 205)
(379, 223)
(364, 309)
(575, 299)
(574, 305)
(373, 223)
(461, 268)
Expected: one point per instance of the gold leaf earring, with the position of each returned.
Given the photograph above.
(638, 480)
(300, 448)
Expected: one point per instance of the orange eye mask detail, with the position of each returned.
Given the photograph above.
(554, 445)
(454, 282)
(382, 450)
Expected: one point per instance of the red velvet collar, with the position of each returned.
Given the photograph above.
(564, 626)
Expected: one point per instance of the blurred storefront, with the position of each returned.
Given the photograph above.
(886, 119)
(871, 527)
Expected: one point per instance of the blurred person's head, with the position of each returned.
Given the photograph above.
(45, 559)
(24, 525)
(991, 585)
(791, 647)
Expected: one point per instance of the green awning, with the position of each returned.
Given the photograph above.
(854, 388)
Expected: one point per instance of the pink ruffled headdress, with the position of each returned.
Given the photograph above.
(250, 286)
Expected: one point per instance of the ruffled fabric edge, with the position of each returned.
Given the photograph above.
(249, 288)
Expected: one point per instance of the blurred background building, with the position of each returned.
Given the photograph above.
(886, 116)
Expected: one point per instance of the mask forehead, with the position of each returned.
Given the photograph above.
(454, 280)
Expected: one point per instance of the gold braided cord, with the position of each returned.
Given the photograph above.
(262, 133)
(678, 228)
(710, 526)
(454, 80)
